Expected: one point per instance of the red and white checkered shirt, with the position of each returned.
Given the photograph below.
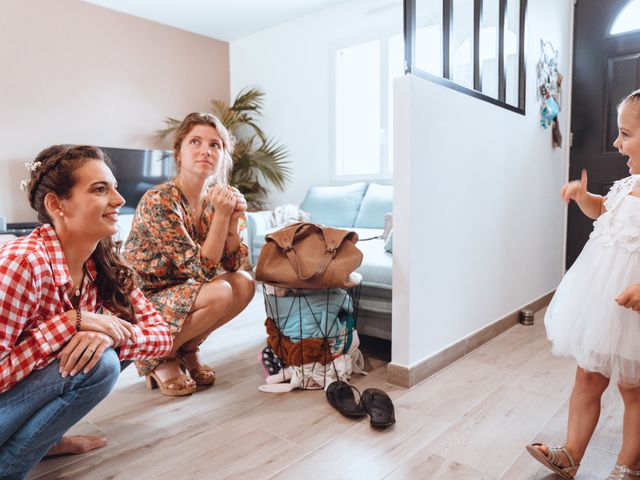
(35, 285)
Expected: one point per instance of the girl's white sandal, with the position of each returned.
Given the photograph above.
(622, 472)
(552, 459)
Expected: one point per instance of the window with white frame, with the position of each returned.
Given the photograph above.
(363, 102)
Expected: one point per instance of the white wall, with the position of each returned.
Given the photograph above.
(479, 225)
(73, 72)
(292, 64)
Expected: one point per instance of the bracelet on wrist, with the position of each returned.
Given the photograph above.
(78, 319)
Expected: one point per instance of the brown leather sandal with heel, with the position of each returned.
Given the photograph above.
(178, 386)
(202, 374)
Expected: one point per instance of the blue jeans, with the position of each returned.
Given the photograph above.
(38, 410)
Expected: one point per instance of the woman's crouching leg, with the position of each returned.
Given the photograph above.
(243, 287)
(217, 302)
(69, 400)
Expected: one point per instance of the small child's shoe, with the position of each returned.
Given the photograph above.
(553, 459)
(622, 472)
(271, 364)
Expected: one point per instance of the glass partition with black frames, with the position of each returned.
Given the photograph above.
(472, 46)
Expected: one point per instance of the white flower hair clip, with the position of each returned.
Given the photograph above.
(24, 185)
(33, 166)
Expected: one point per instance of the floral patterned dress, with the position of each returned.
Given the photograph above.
(164, 248)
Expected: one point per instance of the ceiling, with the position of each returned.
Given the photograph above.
(221, 19)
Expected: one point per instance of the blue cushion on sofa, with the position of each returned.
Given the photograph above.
(376, 268)
(376, 203)
(334, 205)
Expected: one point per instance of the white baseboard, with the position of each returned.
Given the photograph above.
(409, 376)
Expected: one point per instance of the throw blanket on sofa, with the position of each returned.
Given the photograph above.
(288, 214)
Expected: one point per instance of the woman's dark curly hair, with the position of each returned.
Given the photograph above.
(53, 171)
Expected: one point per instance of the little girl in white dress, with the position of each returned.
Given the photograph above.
(583, 320)
(594, 317)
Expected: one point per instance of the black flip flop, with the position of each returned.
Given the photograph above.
(341, 397)
(379, 406)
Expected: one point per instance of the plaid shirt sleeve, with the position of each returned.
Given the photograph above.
(153, 338)
(26, 339)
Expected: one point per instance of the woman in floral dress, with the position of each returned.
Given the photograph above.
(185, 246)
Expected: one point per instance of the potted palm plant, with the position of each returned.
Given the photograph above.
(258, 160)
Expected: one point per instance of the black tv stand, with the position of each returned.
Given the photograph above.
(20, 229)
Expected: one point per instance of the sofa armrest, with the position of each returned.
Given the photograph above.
(258, 223)
(6, 237)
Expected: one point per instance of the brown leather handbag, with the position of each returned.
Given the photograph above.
(306, 255)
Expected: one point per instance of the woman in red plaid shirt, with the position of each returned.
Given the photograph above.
(69, 310)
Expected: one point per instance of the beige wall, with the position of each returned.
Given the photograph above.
(73, 72)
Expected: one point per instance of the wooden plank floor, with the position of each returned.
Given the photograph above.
(470, 421)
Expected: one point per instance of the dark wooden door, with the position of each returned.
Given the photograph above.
(606, 69)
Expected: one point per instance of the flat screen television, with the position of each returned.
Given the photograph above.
(138, 170)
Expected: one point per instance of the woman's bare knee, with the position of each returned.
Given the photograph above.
(210, 307)
(243, 286)
(223, 298)
(238, 278)
(215, 294)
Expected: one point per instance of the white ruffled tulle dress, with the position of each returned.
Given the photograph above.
(583, 319)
